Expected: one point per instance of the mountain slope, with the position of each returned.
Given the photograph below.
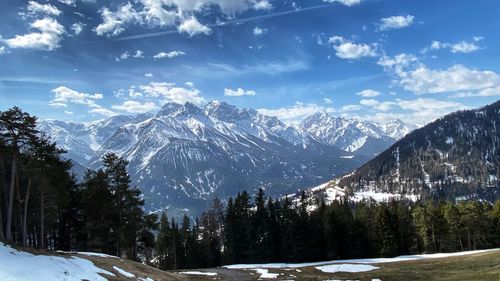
(359, 137)
(455, 157)
(185, 155)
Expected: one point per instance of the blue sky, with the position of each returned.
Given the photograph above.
(371, 59)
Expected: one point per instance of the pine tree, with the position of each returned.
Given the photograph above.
(99, 216)
(127, 204)
(163, 244)
(17, 128)
(387, 232)
(258, 234)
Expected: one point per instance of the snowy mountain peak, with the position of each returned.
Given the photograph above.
(186, 154)
(228, 113)
(353, 135)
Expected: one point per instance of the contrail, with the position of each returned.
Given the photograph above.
(230, 22)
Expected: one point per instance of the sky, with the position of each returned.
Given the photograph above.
(378, 60)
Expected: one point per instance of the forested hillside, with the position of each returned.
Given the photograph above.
(42, 206)
(454, 157)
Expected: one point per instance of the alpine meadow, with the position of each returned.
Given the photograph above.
(173, 140)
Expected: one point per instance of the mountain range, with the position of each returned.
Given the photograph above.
(184, 155)
(456, 157)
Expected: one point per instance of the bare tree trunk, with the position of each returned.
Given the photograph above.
(42, 222)
(8, 226)
(460, 239)
(25, 213)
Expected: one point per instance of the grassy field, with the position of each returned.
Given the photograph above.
(480, 267)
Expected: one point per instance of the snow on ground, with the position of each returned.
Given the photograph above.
(346, 267)
(13, 265)
(123, 272)
(347, 156)
(333, 192)
(198, 273)
(97, 255)
(357, 261)
(264, 273)
(91, 254)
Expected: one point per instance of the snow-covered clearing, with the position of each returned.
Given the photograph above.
(357, 261)
(90, 254)
(198, 273)
(101, 255)
(346, 267)
(264, 273)
(123, 272)
(14, 265)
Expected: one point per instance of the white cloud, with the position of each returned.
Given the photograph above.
(459, 47)
(169, 13)
(459, 79)
(172, 93)
(126, 55)
(3, 50)
(464, 47)
(135, 106)
(368, 93)
(68, 2)
(103, 111)
(351, 107)
(238, 92)
(257, 31)
(193, 27)
(487, 92)
(77, 27)
(68, 112)
(369, 102)
(346, 49)
(114, 22)
(47, 39)
(133, 93)
(64, 95)
(123, 56)
(35, 8)
(345, 2)
(327, 101)
(423, 80)
(417, 111)
(395, 22)
(262, 5)
(138, 54)
(169, 55)
(295, 112)
(149, 74)
(398, 64)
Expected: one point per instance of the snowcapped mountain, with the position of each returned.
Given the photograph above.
(351, 135)
(185, 155)
(455, 158)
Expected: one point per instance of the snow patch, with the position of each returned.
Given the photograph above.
(101, 255)
(198, 273)
(345, 267)
(123, 272)
(347, 156)
(264, 273)
(358, 261)
(13, 265)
